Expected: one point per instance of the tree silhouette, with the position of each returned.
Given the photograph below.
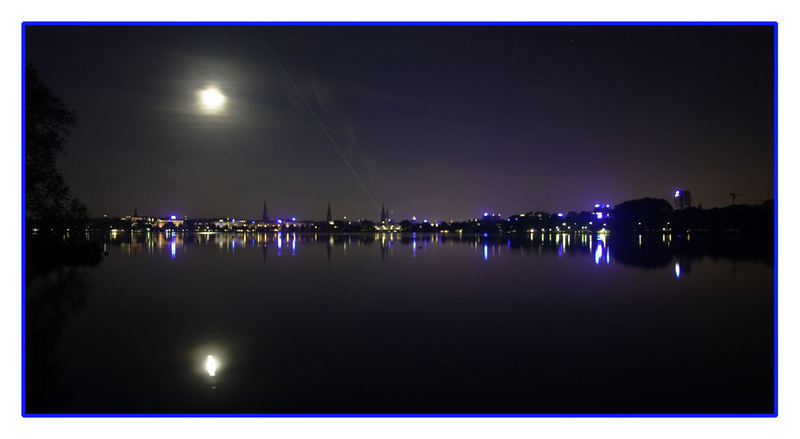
(48, 122)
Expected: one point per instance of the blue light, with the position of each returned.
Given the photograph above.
(596, 205)
(172, 249)
(485, 252)
(294, 241)
(599, 215)
(172, 217)
(608, 205)
(560, 214)
(414, 248)
(280, 221)
(608, 255)
(485, 213)
(677, 194)
(677, 270)
(485, 235)
(280, 241)
(294, 219)
(598, 253)
(425, 221)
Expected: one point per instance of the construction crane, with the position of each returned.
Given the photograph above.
(733, 195)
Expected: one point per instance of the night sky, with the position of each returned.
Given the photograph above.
(438, 122)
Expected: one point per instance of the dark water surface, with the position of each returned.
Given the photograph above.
(391, 324)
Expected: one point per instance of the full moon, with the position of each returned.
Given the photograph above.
(211, 100)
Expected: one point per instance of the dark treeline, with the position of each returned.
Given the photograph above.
(55, 220)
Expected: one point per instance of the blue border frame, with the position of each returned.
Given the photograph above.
(774, 25)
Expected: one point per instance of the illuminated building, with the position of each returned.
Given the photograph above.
(682, 199)
(601, 211)
(161, 222)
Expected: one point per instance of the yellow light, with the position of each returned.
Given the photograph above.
(211, 99)
(211, 365)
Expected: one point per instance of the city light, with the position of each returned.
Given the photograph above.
(677, 270)
(677, 194)
(485, 252)
(172, 217)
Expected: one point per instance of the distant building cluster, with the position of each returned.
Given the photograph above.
(641, 216)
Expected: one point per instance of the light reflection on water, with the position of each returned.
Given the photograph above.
(363, 322)
(594, 247)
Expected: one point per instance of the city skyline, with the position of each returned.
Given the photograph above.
(513, 118)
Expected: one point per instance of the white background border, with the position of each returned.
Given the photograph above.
(14, 12)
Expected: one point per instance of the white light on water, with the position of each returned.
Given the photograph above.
(211, 365)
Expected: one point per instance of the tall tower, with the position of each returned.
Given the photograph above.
(383, 213)
(135, 213)
(328, 217)
(683, 199)
(264, 216)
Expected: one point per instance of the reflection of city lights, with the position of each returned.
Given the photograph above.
(598, 253)
(677, 269)
(485, 252)
(211, 365)
(172, 249)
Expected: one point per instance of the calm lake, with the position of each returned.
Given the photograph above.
(321, 324)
